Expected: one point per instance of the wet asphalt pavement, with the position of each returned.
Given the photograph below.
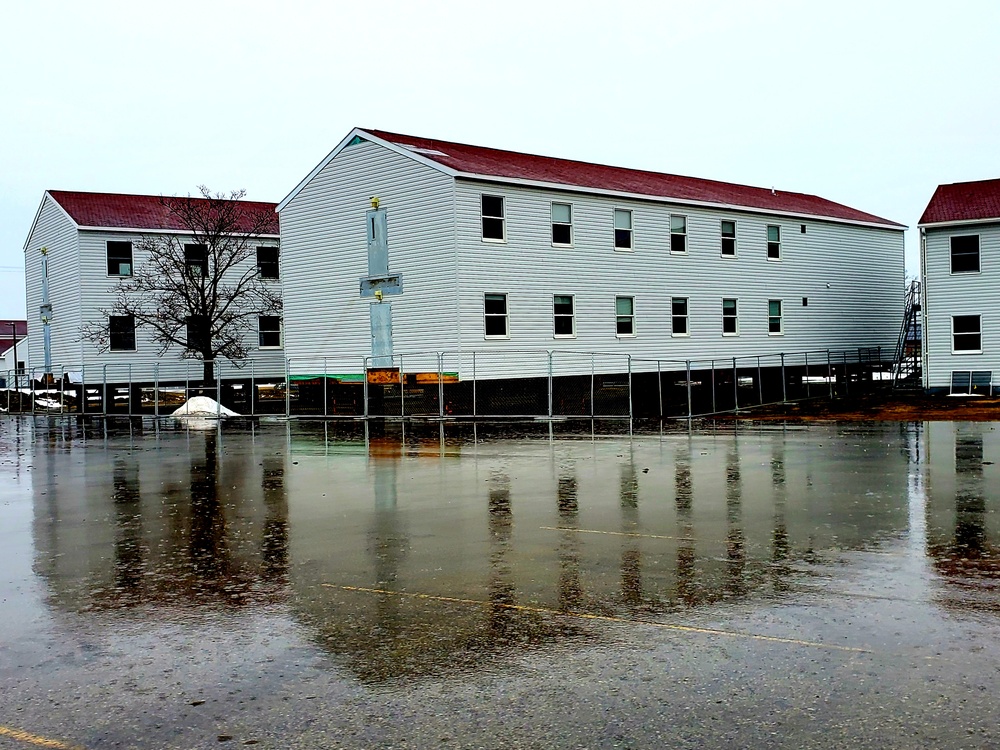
(306, 585)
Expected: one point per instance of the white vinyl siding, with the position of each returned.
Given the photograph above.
(324, 254)
(947, 294)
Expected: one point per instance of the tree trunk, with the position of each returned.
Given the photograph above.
(208, 374)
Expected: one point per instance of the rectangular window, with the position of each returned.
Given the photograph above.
(562, 224)
(678, 234)
(974, 381)
(269, 332)
(679, 316)
(773, 243)
(267, 262)
(729, 238)
(562, 315)
(119, 258)
(774, 326)
(494, 229)
(198, 338)
(966, 334)
(625, 316)
(121, 330)
(964, 254)
(623, 229)
(495, 314)
(730, 320)
(196, 261)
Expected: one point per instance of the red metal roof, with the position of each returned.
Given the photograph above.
(963, 201)
(490, 162)
(118, 211)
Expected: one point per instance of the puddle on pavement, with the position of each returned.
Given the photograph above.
(415, 555)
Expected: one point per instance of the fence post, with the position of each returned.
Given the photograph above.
(847, 379)
(325, 398)
(688, 370)
(288, 387)
(31, 390)
(629, 356)
(218, 390)
(829, 377)
(784, 380)
(253, 387)
(713, 387)
(474, 405)
(402, 390)
(807, 375)
(364, 373)
(736, 388)
(130, 389)
(593, 368)
(550, 384)
(83, 389)
(62, 381)
(760, 383)
(659, 387)
(441, 384)
(104, 390)
(156, 390)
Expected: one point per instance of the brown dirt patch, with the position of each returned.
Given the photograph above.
(882, 407)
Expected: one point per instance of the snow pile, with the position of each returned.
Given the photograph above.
(203, 406)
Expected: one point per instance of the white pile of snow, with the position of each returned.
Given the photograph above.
(203, 406)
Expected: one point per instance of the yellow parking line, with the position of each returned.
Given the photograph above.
(604, 618)
(617, 533)
(35, 739)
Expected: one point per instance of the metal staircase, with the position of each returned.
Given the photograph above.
(906, 370)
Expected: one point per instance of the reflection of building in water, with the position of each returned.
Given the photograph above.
(139, 520)
(502, 537)
(963, 529)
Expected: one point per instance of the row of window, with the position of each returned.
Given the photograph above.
(195, 260)
(494, 228)
(122, 332)
(496, 323)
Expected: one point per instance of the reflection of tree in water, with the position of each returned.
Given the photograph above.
(129, 554)
(210, 558)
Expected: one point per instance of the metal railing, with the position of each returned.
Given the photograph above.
(535, 384)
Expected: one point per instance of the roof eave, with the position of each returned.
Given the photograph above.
(153, 230)
(667, 199)
(957, 222)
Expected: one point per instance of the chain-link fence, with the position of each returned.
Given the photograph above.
(442, 385)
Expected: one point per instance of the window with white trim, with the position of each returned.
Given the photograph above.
(562, 315)
(623, 229)
(493, 218)
(495, 315)
(625, 316)
(119, 258)
(730, 318)
(121, 333)
(269, 332)
(678, 234)
(267, 262)
(679, 316)
(196, 260)
(562, 224)
(965, 253)
(774, 322)
(773, 242)
(728, 238)
(966, 334)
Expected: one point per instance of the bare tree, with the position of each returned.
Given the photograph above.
(194, 288)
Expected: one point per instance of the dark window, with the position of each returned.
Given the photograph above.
(730, 321)
(122, 333)
(495, 313)
(623, 229)
(966, 333)
(965, 254)
(119, 258)
(562, 224)
(679, 316)
(196, 260)
(773, 243)
(493, 217)
(774, 316)
(805, 302)
(269, 331)
(267, 262)
(729, 238)
(562, 315)
(625, 316)
(197, 333)
(678, 234)
(802, 228)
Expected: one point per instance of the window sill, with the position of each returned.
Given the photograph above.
(970, 351)
(497, 338)
(561, 244)
(122, 351)
(673, 252)
(776, 334)
(966, 273)
(564, 335)
(120, 276)
(727, 255)
(625, 335)
(270, 348)
(774, 260)
(489, 241)
(733, 335)
(680, 335)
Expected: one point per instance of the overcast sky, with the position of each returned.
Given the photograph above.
(868, 103)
